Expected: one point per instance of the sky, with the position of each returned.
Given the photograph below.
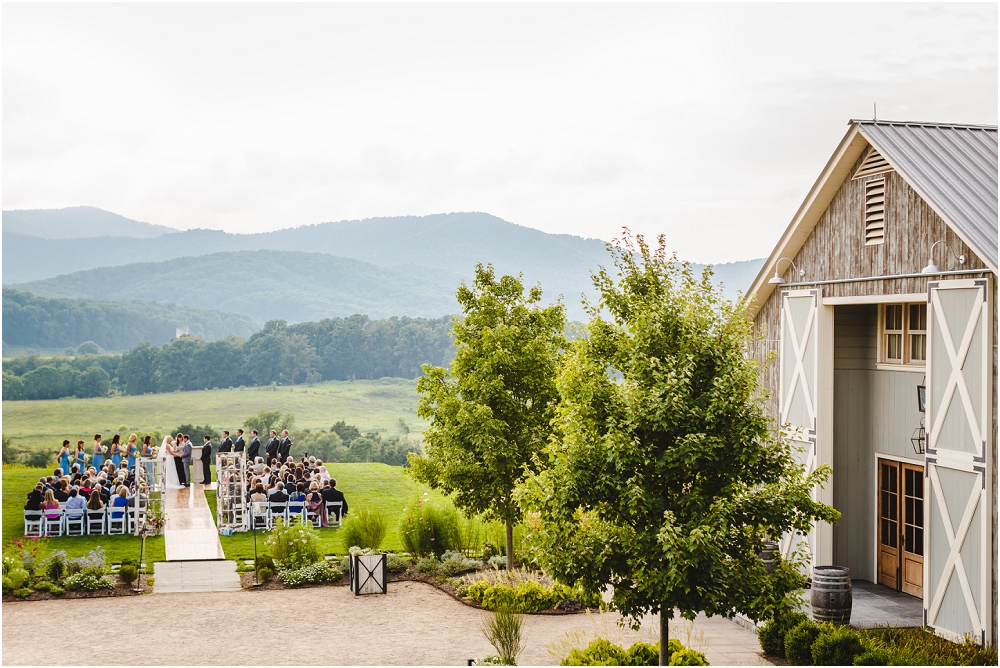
(707, 123)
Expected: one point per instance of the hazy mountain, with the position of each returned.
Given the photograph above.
(41, 322)
(292, 286)
(77, 222)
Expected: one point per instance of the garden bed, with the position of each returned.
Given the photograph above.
(120, 589)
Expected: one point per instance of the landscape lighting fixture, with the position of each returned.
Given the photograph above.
(777, 279)
(932, 268)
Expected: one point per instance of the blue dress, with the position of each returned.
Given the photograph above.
(64, 463)
(98, 460)
(117, 459)
(131, 459)
(118, 502)
(81, 460)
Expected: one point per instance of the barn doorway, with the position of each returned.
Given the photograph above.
(901, 526)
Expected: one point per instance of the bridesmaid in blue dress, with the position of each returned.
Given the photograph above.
(147, 451)
(81, 456)
(64, 457)
(98, 452)
(130, 451)
(116, 450)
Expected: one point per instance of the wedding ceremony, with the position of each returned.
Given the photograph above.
(500, 333)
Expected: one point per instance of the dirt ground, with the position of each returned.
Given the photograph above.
(414, 624)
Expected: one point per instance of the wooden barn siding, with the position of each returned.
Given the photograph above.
(836, 249)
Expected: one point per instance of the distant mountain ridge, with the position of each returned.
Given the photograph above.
(78, 222)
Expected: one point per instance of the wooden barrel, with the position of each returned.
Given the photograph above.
(770, 555)
(831, 594)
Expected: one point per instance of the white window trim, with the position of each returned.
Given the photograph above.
(880, 362)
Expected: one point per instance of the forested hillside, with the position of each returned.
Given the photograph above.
(113, 325)
(266, 285)
(332, 349)
(77, 222)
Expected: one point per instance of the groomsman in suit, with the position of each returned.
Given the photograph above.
(206, 461)
(254, 448)
(186, 452)
(227, 443)
(240, 444)
(285, 448)
(272, 448)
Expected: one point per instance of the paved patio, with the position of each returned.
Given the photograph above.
(878, 605)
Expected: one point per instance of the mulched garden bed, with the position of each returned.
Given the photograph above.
(120, 589)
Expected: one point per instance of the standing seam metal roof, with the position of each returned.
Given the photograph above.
(953, 166)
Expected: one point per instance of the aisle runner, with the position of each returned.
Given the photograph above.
(190, 532)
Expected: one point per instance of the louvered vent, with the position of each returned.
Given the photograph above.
(874, 212)
(873, 164)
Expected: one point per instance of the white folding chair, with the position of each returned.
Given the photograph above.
(33, 523)
(118, 520)
(279, 509)
(315, 518)
(296, 510)
(53, 521)
(260, 514)
(96, 524)
(76, 523)
(333, 510)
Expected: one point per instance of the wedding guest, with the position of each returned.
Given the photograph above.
(265, 475)
(51, 504)
(206, 460)
(63, 456)
(61, 491)
(331, 494)
(75, 505)
(116, 450)
(35, 498)
(95, 503)
(86, 487)
(258, 493)
(104, 492)
(120, 501)
(131, 450)
(278, 496)
(324, 475)
(258, 465)
(99, 448)
(315, 504)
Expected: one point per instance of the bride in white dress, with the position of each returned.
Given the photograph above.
(167, 461)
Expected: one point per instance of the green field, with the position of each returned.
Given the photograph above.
(16, 485)
(370, 405)
(380, 486)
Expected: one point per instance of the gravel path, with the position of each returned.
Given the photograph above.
(415, 624)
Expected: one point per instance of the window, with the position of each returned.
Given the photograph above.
(903, 334)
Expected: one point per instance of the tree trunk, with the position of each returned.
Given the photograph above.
(664, 636)
(510, 547)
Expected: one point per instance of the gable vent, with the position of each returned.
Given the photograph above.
(874, 212)
(873, 164)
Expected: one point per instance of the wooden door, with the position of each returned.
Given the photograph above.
(888, 523)
(959, 564)
(911, 542)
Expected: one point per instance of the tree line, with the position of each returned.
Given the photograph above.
(353, 348)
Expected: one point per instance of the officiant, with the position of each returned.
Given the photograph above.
(206, 461)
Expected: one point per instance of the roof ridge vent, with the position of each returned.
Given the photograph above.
(874, 163)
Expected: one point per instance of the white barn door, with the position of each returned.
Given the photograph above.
(799, 388)
(957, 570)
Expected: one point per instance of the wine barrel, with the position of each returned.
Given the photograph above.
(831, 594)
(770, 555)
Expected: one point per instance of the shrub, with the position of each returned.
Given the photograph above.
(491, 550)
(687, 657)
(526, 596)
(878, 657)
(469, 535)
(427, 529)
(56, 590)
(129, 561)
(428, 566)
(644, 654)
(498, 561)
(42, 585)
(365, 528)
(918, 647)
(455, 563)
(492, 660)
(315, 573)
(88, 581)
(503, 630)
(37, 459)
(836, 647)
(293, 545)
(8, 585)
(22, 593)
(264, 561)
(128, 573)
(601, 652)
(53, 566)
(94, 564)
(395, 564)
(16, 578)
(799, 641)
(264, 574)
(772, 635)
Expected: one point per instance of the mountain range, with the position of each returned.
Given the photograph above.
(378, 266)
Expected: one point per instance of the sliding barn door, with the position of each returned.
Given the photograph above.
(958, 575)
(799, 389)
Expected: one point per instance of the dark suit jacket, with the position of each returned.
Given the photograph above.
(226, 445)
(334, 494)
(278, 497)
(35, 500)
(240, 444)
(206, 452)
(284, 449)
(272, 449)
(254, 449)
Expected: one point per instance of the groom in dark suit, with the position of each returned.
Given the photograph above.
(206, 461)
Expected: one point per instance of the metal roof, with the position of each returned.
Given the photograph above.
(952, 167)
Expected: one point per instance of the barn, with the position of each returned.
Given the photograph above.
(876, 321)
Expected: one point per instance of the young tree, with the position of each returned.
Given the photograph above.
(665, 477)
(491, 412)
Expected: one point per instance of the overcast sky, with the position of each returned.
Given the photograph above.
(708, 123)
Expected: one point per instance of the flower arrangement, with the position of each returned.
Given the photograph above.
(155, 521)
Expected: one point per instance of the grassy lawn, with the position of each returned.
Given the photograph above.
(364, 485)
(16, 485)
(370, 405)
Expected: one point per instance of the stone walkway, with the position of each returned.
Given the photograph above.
(174, 577)
(190, 532)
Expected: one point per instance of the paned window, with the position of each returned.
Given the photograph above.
(903, 334)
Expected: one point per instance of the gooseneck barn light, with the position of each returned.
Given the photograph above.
(777, 279)
(932, 268)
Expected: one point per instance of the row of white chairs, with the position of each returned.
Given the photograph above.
(74, 522)
(264, 513)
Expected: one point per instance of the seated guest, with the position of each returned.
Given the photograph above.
(35, 498)
(95, 502)
(105, 491)
(265, 475)
(120, 501)
(258, 493)
(258, 465)
(300, 492)
(86, 487)
(75, 505)
(61, 491)
(324, 475)
(279, 495)
(331, 493)
(51, 504)
(314, 502)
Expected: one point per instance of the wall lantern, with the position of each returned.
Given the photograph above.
(932, 268)
(919, 438)
(777, 279)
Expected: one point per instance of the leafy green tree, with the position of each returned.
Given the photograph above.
(265, 420)
(325, 445)
(346, 432)
(93, 382)
(220, 363)
(89, 348)
(13, 386)
(50, 382)
(176, 367)
(665, 476)
(361, 449)
(137, 371)
(265, 353)
(491, 412)
(299, 359)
